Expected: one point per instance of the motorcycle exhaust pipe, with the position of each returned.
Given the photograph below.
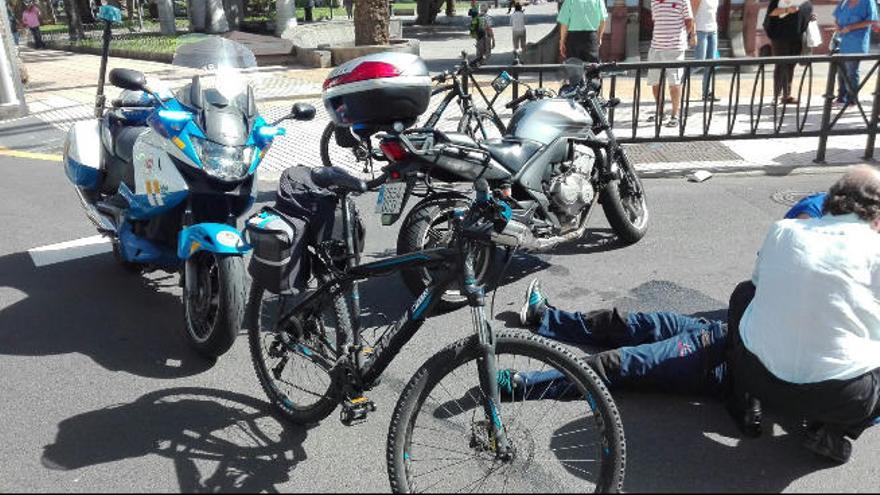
(518, 234)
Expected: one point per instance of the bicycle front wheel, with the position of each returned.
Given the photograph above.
(565, 432)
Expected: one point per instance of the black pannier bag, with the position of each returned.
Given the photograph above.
(279, 262)
(314, 216)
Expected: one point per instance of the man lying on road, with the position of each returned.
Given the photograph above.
(807, 345)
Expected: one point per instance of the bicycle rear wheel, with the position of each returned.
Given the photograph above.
(293, 358)
(565, 431)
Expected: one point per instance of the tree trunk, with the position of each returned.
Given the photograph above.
(129, 8)
(427, 10)
(197, 10)
(74, 21)
(85, 11)
(285, 16)
(217, 22)
(166, 17)
(371, 19)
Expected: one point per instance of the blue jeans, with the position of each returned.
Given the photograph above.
(848, 70)
(707, 48)
(659, 351)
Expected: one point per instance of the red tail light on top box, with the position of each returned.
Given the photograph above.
(378, 90)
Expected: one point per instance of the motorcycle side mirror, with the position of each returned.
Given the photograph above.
(303, 111)
(128, 79)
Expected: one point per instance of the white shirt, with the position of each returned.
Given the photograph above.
(518, 21)
(706, 17)
(816, 313)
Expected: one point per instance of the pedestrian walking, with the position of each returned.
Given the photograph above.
(853, 18)
(581, 27)
(349, 8)
(518, 27)
(673, 33)
(481, 30)
(31, 20)
(706, 24)
(785, 24)
(13, 24)
(310, 4)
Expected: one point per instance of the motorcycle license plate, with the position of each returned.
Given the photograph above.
(391, 198)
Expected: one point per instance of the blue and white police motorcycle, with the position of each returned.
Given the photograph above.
(166, 175)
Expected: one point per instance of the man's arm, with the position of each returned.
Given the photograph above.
(563, 34)
(601, 31)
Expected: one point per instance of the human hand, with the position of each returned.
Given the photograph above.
(562, 51)
(692, 40)
(792, 10)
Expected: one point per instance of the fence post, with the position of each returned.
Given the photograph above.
(826, 112)
(875, 117)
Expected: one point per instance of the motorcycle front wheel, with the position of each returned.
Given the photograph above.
(625, 205)
(214, 309)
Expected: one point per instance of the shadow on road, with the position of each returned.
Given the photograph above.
(91, 306)
(248, 448)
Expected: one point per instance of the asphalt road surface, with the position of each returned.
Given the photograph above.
(99, 391)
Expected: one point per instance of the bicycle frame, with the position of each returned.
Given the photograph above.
(460, 91)
(398, 334)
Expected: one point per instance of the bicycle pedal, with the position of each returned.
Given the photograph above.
(355, 411)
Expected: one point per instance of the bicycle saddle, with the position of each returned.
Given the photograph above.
(336, 177)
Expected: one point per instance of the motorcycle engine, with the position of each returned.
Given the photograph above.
(572, 190)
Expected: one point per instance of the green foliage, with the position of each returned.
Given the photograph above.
(143, 43)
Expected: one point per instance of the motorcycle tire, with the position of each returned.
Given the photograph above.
(414, 236)
(629, 225)
(226, 280)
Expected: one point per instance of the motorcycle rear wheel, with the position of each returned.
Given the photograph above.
(213, 314)
(426, 227)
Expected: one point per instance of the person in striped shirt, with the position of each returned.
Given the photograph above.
(673, 32)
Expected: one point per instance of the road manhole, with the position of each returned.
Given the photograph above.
(789, 198)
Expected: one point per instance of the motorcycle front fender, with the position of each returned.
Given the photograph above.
(217, 238)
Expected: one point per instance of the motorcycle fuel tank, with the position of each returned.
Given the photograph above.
(546, 120)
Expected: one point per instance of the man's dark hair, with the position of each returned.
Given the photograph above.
(856, 192)
(517, 7)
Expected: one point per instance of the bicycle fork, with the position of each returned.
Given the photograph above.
(486, 366)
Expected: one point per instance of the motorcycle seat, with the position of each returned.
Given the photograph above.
(118, 166)
(511, 152)
(337, 178)
(456, 138)
(124, 138)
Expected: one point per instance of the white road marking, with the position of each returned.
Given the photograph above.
(70, 250)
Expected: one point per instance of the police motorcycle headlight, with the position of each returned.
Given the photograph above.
(227, 163)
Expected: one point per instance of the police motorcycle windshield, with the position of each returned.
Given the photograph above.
(223, 103)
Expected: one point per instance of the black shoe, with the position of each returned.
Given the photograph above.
(747, 414)
(534, 306)
(832, 446)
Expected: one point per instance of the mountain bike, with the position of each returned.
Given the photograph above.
(467, 420)
(346, 149)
